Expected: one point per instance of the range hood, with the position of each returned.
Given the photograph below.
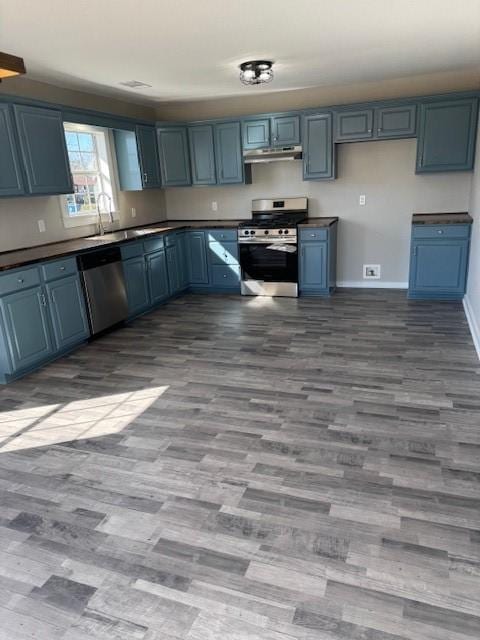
(275, 154)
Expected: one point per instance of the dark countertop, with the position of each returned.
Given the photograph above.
(461, 217)
(23, 257)
(319, 222)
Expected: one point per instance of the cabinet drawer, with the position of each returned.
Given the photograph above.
(155, 244)
(223, 252)
(313, 234)
(59, 269)
(171, 239)
(441, 231)
(219, 235)
(131, 250)
(225, 276)
(18, 280)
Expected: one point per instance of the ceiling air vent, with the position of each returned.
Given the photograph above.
(135, 84)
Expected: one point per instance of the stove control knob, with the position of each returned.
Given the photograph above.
(252, 232)
(286, 231)
(280, 231)
(266, 232)
(246, 232)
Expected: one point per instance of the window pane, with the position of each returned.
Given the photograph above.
(89, 162)
(72, 140)
(75, 161)
(86, 142)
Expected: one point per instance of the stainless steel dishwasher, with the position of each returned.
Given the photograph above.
(104, 285)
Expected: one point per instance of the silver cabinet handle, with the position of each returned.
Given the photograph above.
(145, 176)
(224, 275)
(20, 280)
(52, 293)
(43, 300)
(440, 231)
(62, 268)
(313, 235)
(369, 131)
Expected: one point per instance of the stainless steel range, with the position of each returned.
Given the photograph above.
(268, 247)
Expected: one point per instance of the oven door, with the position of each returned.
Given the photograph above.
(269, 269)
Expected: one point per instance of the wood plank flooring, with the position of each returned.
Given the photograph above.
(232, 468)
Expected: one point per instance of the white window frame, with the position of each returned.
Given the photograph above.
(85, 219)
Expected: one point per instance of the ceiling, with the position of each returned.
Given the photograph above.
(190, 50)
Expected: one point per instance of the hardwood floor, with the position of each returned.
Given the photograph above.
(229, 468)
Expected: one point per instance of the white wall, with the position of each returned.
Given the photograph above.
(377, 233)
(472, 299)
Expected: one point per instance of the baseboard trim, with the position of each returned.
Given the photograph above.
(472, 324)
(372, 284)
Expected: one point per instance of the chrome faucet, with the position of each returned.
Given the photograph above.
(101, 228)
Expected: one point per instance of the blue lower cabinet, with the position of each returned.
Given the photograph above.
(182, 260)
(317, 260)
(197, 259)
(27, 328)
(225, 276)
(135, 272)
(157, 276)
(67, 308)
(173, 269)
(439, 263)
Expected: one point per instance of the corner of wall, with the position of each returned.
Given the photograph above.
(472, 324)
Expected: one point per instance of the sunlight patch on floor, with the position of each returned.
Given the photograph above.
(88, 418)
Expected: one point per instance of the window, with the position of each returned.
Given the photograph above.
(92, 167)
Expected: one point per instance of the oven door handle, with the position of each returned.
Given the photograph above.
(263, 242)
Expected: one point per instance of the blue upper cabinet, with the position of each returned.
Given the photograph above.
(396, 122)
(148, 156)
(174, 156)
(446, 137)
(11, 180)
(44, 150)
(318, 147)
(285, 131)
(353, 125)
(228, 153)
(127, 160)
(256, 133)
(202, 155)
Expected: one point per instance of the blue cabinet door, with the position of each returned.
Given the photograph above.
(128, 164)
(438, 268)
(27, 327)
(157, 276)
(67, 307)
(313, 266)
(182, 260)
(202, 156)
(353, 125)
(173, 269)
(446, 137)
(135, 272)
(256, 133)
(318, 147)
(11, 180)
(197, 258)
(285, 131)
(228, 153)
(396, 122)
(44, 150)
(174, 156)
(148, 156)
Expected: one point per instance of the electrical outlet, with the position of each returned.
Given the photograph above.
(42, 226)
(134, 212)
(214, 206)
(362, 200)
(371, 272)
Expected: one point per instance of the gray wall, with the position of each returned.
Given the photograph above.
(377, 233)
(472, 299)
(19, 216)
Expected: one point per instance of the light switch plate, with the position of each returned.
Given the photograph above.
(134, 212)
(214, 206)
(42, 227)
(362, 200)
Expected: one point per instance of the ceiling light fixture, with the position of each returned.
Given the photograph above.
(256, 71)
(135, 84)
(11, 66)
